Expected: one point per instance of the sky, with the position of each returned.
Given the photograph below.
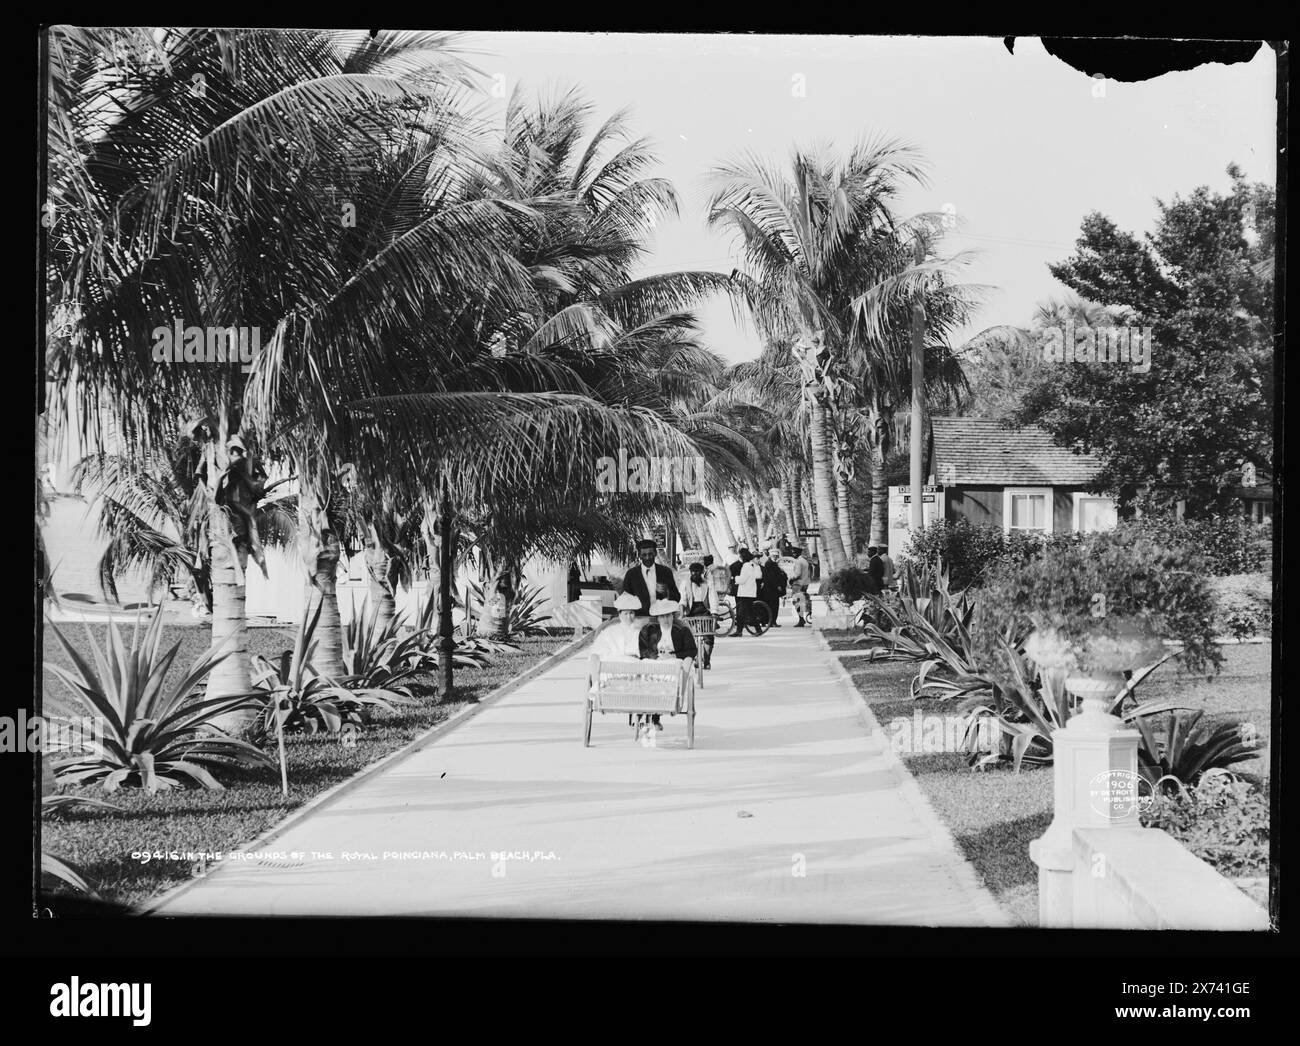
(1019, 147)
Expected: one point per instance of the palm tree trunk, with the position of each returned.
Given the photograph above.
(328, 659)
(321, 552)
(232, 675)
(447, 641)
(844, 501)
(879, 498)
(720, 513)
(226, 572)
(381, 592)
(787, 505)
(824, 490)
(735, 508)
(498, 600)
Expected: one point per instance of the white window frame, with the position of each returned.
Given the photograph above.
(1009, 492)
(1078, 496)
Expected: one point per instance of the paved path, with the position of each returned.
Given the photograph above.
(783, 780)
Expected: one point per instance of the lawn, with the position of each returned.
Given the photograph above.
(994, 815)
(101, 843)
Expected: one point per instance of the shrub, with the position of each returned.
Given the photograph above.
(969, 550)
(1245, 604)
(1124, 573)
(848, 584)
(1226, 544)
(304, 701)
(1223, 820)
(154, 738)
(925, 623)
(1178, 750)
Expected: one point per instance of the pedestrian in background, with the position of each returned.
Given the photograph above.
(800, 578)
(774, 584)
(747, 581)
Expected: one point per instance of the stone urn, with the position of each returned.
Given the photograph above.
(1103, 655)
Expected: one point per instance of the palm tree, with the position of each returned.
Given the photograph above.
(804, 237)
(879, 358)
(165, 210)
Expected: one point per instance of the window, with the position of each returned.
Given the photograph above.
(1027, 509)
(1092, 512)
(1260, 511)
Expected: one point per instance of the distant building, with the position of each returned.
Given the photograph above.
(1253, 488)
(1017, 479)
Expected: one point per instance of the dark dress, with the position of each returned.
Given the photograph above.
(700, 608)
(683, 642)
(648, 643)
(773, 587)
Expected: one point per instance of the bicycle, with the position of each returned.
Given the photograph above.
(760, 617)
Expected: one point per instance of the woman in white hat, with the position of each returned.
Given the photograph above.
(621, 639)
(666, 636)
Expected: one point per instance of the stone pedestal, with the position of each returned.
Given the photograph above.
(1096, 786)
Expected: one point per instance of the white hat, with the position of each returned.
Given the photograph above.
(627, 601)
(664, 606)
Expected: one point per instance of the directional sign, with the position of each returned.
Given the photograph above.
(809, 532)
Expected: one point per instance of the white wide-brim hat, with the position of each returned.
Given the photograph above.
(664, 606)
(627, 601)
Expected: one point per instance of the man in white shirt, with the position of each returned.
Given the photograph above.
(800, 578)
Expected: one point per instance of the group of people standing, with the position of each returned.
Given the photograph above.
(762, 578)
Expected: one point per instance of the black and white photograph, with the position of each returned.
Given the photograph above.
(721, 479)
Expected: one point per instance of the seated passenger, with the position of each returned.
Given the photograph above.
(666, 635)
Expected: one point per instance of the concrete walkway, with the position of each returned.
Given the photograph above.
(787, 810)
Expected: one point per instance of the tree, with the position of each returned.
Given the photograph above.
(163, 211)
(803, 237)
(1182, 429)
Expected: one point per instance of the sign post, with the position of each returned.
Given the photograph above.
(903, 507)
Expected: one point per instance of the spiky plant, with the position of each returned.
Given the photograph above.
(153, 736)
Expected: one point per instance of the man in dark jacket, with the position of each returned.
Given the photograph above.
(649, 580)
(735, 566)
(774, 582)
(875, 571)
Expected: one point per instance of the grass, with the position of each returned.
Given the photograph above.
(101, 843)
(994, 815)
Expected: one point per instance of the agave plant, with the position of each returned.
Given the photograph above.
(1032, 702)
(1182, 751)
(152, 737)
(307, 702)
(470, 651)
(381, 656)
(56, 868)
(931, 625)
(525, 618)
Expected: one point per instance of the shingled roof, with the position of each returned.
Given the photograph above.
(973, 451)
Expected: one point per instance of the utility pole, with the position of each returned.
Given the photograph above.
(916, 480)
